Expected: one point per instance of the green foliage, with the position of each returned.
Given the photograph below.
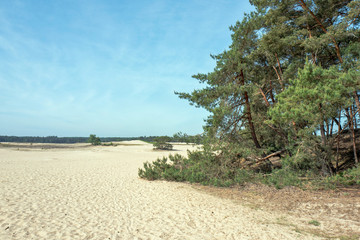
(94, 140)
(183, 137)
(348, 177)
(244, 176)
(312, 97)
(177, 168)
(154, 170)
(162, 146)
(283, 177)
(206, 168)
(108, 144)
(305, 156)
(199, 167)
(314, 222)
(149, 172)
(160, 143)
(163, 169)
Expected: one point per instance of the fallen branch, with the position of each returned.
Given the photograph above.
(272, 155)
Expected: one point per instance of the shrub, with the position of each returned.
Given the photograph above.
(154, 170)
(161, 143)
(314, 222)
(242, 176)
(94, 140)
(162, 146)
(199, 167)
(108, 144)
(346, 178)
(283, 177)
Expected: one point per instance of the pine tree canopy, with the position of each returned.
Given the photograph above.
(291, 72)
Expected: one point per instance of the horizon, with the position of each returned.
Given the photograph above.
(141, 136)
(75, 68)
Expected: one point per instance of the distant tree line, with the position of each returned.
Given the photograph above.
(185, 138)
(48, 139)
(55, 139)
(178, 137)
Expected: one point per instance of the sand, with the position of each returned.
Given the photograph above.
(86, 192)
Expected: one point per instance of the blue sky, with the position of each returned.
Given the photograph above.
(72, 68)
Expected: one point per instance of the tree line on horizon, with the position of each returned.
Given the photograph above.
(287, 86)
(177, 137)
(55, 139)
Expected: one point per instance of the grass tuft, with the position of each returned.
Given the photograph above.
(314, 222)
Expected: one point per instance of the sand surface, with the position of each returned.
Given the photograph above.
(85, 192)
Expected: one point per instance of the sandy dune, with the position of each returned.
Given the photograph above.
(95, 193)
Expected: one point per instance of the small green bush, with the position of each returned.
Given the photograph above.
(154, 170)
(283, 177)
(346, 178)
(242, 176)
(148, 172)
(94, 140)
(162, 146)
(161, 143)
(108, 144)
(173, 174)
(314, 222)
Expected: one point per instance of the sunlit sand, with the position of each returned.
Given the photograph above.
(83, 192)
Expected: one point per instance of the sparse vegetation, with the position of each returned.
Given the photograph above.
(314, 222)
(109, 144)
(183, 137)
(345, 178)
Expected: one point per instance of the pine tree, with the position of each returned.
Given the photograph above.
(291, 70)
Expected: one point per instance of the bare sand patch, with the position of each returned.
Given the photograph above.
(86, 192)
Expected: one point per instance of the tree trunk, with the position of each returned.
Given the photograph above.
(353, 119)
(331, 127)
(248, 113)
(338, 122)
(322, 130)
(356, 96)
(349, 115)
(338, 143)
(327, 128)
(271, 93)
